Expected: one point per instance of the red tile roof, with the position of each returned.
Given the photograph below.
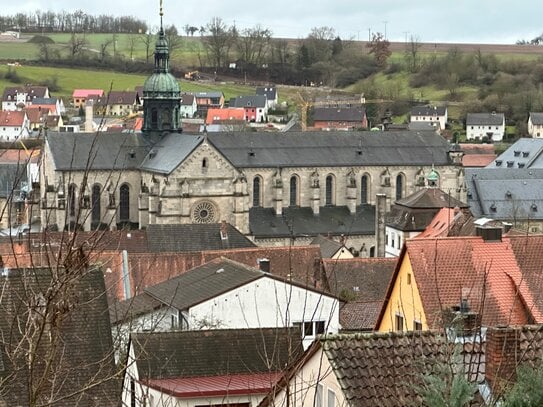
(13, 119)
(35, 114)
(217, 116)
(216, 386)
(84, 93)
(477, 160)
(486, 273)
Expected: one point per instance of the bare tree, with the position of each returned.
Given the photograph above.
(412, 56)
(147, 40)
(132, 42)
(218, 41)
(253, 45)
(76, 45)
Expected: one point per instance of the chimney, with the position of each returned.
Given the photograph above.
(89, 116)
(380, 210)
(502, 356)
(224, 235)
(342, 239)
(264, 265)
(490, 233)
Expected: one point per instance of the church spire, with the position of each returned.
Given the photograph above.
(161, 92)
(161, 14)
(162, 51)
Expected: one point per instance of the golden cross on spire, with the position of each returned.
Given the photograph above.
(161, 10)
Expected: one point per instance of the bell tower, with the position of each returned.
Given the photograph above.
(161, 92)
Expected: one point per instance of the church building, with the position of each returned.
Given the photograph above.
(275, 188)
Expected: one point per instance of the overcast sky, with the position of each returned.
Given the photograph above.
(479, 21)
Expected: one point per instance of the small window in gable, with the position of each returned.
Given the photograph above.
(204, 163)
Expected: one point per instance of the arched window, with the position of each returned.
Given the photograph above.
(204, 163)
(154, 117)
(96, 209)
(124, 203)
(72, 200)
(364, 189)
(399, 186)
(294, 191)
(329, 193)
(257, 191)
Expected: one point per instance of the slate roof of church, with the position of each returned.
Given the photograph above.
(195, 353)
(80, 151)
(305, 149)
(301, 222)
(166, 155)
(292, 149)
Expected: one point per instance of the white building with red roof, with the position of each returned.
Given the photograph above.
(14, 125)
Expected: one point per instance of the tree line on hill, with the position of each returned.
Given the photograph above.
(67, 22)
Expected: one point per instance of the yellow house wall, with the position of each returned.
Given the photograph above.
(404, 300)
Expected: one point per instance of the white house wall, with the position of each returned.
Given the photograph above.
(302, 386)
(266, 303)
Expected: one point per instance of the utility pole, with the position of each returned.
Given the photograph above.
(369, 34)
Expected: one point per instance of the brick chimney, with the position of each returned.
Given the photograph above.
(502, 356)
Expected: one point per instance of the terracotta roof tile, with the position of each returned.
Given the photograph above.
(485, 273)
(12, 119)
(477, 160)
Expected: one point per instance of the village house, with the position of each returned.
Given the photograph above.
(434, 115)
(340, 118)
(208, 100)
(80, 96)
(226, 116)
(55, 106)
(332, 249)
(535, 125)
(361, 285)
(188, 106)
(396, 369)
(271, 94)
(489, 277)
(14, 125)
(187, 369)
(256, 109)
(226, 294)
(119, 103)
(411, 215)
(37, 117)
(18, 97)
(489, 126)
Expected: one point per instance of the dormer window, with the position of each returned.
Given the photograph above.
(510, 164)
(508, 194)
(498, 163)
(493, 208)
(521, 165)
(516, 153)
(534, 207)
(525, 154)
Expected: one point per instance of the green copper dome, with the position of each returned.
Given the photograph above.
(161, 85)
(433, 176)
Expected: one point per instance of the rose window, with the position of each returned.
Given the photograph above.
(204, 212)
